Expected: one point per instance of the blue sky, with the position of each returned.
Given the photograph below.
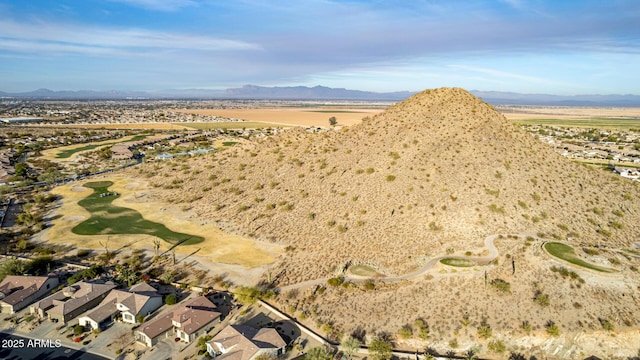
(537, 46)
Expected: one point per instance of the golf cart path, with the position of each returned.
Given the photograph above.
(483, 260)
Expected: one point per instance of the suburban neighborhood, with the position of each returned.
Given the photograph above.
(144, 321)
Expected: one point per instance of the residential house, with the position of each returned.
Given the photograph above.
(242, 342)
(18, 292)
(186, 322)
(72, 301)
(140, 299)
(151, 331)
(195, 318)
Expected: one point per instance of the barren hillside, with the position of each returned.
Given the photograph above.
(440, 170)
(435, 174)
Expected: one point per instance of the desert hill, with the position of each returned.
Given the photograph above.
(440, 170)
(432, 175)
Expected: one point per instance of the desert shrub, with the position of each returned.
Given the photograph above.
(496, 209)
(380, 349)
(318, 353)
(248, 295)
(335, 281)
(591, 251)
(552, 328)
(433, 226)
(501, 285)
(422, 329)
(83, 252)
(604, 232)
(492, 192)
(526, 326)
(369, 285)
(406, 332)
(616, 225)
(77, 330)
(607, 325)
(391, 177)
(541, 299)
(171, 299)
(496, 346)
(484, 331)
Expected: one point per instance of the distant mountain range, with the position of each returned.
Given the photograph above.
(255, 92)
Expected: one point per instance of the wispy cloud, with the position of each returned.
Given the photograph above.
(158, 5)
(46, 36)
(409, 44)
(501, 74)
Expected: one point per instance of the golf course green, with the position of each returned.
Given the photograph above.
(108, 219)
(566, 253)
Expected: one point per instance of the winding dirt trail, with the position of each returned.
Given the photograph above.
(484, 260)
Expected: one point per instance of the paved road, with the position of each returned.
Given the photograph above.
(484, 260)
(21, 348)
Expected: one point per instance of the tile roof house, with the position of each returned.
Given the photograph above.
(242, 342)
(195, 318)
(72, 301)
(140, 299)
(18, 292)
(187, 321)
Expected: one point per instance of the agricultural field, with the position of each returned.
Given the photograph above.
(124, 126)
(291, 116)
(598, 123)
(578, 117)
(230, 125)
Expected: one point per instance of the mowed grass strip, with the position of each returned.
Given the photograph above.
(109, 219)
(363, 270)
(566, 253)
(596, 123)
(65, 154)
(458, 262)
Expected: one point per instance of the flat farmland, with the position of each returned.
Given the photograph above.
(588, 117)
(126, 126)
(291, 116)
(231, 125)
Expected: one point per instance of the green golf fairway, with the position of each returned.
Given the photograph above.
(108, 219)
